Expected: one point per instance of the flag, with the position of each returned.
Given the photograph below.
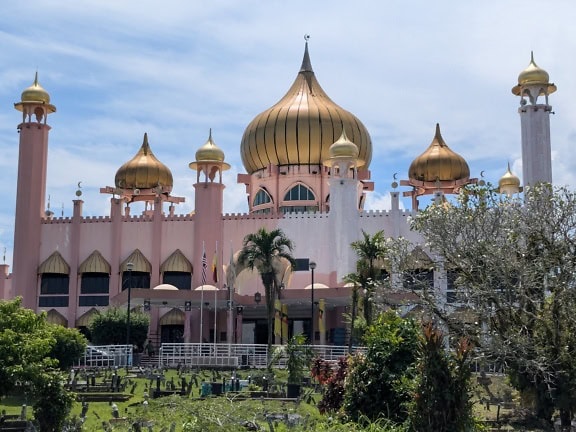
(321, 318)
(204, 266)
(277, 318)
(215, 268)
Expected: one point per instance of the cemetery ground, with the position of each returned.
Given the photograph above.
(110, 399)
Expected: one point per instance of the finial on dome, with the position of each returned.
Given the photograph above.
(534, 76)
(306, 64)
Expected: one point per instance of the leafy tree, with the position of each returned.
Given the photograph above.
(442, 397)
(379, 383)
(52, 402)
(332, 380)
(370, 250)
(69, 346)
(516, 261)
(26, 341)
(109, 327)
(263, 251)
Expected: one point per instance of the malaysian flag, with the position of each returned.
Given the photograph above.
(204, 266)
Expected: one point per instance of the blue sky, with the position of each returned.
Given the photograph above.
(174, 69)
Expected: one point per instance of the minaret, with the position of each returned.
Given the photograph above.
(534, 82)
(345, 193)
(31, 190)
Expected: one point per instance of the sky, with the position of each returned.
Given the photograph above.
(176, 68)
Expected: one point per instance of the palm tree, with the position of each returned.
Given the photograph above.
(370, 250)
(265, 251)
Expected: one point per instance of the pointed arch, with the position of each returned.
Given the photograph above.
(95, 263)
(262, 197)
(173, 317)
(85, 319)
(176, 262)
(54, 264)
(139, 261)
(299, 192)
(55, 317)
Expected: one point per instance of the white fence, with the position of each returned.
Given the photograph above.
(107, 356)
(233, 355)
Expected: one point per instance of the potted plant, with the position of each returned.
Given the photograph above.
(298, 356)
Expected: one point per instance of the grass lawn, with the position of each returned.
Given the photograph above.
(235, 410)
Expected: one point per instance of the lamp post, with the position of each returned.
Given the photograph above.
(312, 266)
(129, 267)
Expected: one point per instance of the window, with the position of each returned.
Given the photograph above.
(181, 280)
(94, 283)
(299, 193)
(93, 300)
(451, 288)
(54, 283)
(262, 197)
(299, 209)
(135, 279)
(53, 301)
(419, 279)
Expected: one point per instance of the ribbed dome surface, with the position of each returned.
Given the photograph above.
(301, 127)
(144, 171)
(438, 162)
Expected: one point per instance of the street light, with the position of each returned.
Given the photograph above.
(312, 266)
(129, 267)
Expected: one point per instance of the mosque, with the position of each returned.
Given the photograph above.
(307, 163)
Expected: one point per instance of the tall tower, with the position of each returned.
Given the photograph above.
(31, 189)
(534, 82)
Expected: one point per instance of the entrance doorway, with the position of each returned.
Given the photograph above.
(172, 333)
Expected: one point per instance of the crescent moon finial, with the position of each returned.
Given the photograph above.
(482, 173)
(395, 176)
(79, 185)
(306, 37)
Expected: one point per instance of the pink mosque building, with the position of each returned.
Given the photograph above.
(307, 166)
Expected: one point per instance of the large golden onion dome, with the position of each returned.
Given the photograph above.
(509, 181)
(438, 163)
(35, 93)
(343, 149)
(144, 171)
(300, 128)
(533, 75)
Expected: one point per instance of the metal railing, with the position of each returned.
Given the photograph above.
(97, 356)
(234, 355)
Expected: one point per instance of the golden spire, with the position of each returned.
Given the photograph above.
(509, 183)
(209, 153)
(35, 94)
(533, 75)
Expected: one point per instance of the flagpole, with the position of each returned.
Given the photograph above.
(216, 297)
(230, 283)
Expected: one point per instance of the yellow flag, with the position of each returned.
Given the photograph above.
(284, 322)
(277, 318)
(321, 316)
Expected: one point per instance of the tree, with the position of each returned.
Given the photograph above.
(69, 346)
(370, 250)
(263, 251)
(25, 344)
(379, 382)
(516, 264)
(442, 397)
(109, 327)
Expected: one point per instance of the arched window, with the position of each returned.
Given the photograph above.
(262, 197)
(54, 282)
(299, 193)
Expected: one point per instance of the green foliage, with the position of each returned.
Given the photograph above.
(298, 357)
(52, 402)
(26, 341)
(442, 398)
(69, 346)
(109, 327)
(265, 250)
(379, 382)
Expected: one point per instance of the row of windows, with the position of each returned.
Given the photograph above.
(297, 193)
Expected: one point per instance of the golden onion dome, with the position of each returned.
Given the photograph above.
(209, 152)
(509, 181)
(144, 171)
(343, 149)
(438, 163)
(300, 128)
(533, 75)
(35, 93)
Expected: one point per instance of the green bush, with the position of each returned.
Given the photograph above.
(109, 327)
(69, 347)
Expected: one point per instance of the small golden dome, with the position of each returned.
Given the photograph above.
(35, 93)
(210, 152)
(438, 163)
(300, 128)
(144, 171)
(509, 181)
(343, 148)
(533, 74)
